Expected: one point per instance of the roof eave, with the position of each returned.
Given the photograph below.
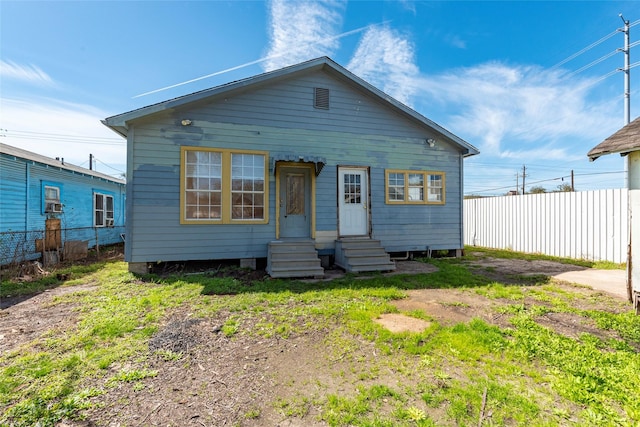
(593, 156)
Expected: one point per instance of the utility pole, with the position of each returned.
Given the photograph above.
(631, 184)
(90, 162)
(573, 188)
(524, 175)
(625, 70)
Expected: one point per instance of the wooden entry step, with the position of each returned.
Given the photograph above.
(293, 258)
(358, 255)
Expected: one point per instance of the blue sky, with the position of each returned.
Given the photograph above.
(498, 74)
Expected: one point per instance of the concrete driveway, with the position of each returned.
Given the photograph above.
(613, 282)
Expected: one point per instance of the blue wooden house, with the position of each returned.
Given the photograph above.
(303, 166)
(47, 205)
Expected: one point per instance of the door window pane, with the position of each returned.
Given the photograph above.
(295, 194)
(352, 188)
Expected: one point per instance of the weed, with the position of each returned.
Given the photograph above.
(252, 414)
(131, 376)
(295, 407)
(168, 355)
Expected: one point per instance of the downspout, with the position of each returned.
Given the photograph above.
(27, 171)
(461, 183)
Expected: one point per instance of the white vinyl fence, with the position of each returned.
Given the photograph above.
(588, 225)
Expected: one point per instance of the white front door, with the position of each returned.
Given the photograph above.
(353, 201)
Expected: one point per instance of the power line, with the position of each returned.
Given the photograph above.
(550, 179)
(585, 49)
(23, 134)
(104, 164)
(591, 64)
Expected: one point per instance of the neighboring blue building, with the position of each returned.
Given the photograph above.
(309, 157)
(45, 203)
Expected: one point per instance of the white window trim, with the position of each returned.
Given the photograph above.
(108, 215)
(57, 206)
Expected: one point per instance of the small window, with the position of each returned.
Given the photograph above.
(321, 98)
(51, 198)
(414, 187)
(102, 210)
(51, 194)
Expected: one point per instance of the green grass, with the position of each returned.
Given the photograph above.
(521, 374)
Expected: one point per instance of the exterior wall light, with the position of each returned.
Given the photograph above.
(431, 142)
(186, 122)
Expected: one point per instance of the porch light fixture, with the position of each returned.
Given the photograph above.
(431, 142)
(186, 122)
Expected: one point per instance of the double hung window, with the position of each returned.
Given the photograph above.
(223, 186)
(414, 187)
(52, 199)
(102, 210)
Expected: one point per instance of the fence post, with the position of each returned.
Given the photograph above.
(97, 243)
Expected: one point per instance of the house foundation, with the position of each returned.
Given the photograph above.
(138, 267)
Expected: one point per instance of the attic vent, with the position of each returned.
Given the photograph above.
(321, 98)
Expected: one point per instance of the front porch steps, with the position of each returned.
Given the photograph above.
(293, 258)
(358, 255)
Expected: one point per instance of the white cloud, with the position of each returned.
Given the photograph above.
(387, 60)
(504, 105)
(27, 73)
(303, 30)
(61, 129)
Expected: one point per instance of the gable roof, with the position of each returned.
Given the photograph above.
(34, 157)
(623, 141)
(119, 123)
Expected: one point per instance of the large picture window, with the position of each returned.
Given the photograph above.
(414, 187)
(223, 186)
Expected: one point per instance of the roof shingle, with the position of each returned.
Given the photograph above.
(623, 141)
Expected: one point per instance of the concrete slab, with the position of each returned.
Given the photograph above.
(613, 282)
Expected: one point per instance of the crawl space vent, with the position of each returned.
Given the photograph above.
(321, 98)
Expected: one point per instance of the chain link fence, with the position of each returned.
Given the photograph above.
(19, 246)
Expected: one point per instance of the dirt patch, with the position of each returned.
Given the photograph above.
(508, 270)
(400, 323)
(32, 317)
(449, 306)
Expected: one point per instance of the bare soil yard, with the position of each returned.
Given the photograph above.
(244, 380)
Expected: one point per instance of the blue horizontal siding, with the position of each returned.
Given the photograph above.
(280, 118)
(21, 199)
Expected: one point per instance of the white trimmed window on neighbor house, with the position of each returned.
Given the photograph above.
(102, 210)
(52, 202)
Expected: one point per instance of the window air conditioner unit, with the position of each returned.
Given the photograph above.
(108, 223)
(54, 207)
